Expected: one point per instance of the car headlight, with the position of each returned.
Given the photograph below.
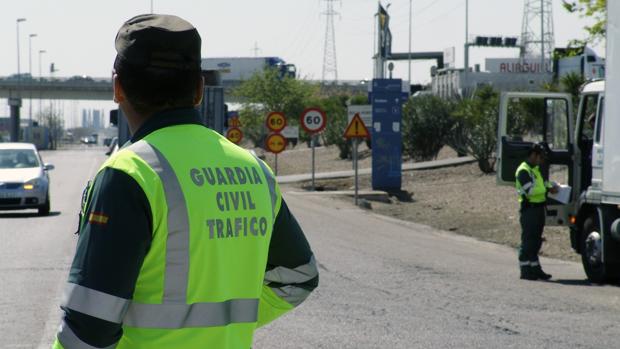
(32, 184)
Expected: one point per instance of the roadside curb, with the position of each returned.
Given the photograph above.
(371, 195)
(425, 165)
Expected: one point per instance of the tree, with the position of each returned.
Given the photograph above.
(427, 121)
(594, 9)
(474, 131)
(265, 92)
(336, 109)
(52, 119)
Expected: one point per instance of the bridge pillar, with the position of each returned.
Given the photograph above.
(15, 104)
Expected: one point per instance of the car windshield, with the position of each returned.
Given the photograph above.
(18, 158)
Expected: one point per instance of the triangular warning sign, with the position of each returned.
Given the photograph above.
(356, 128)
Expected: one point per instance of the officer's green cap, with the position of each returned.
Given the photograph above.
(159, 41)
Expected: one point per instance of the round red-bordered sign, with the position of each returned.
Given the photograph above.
(276, 121)
(234, 135)
(313, 120)
(275, 143)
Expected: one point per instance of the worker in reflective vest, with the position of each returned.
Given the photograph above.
(185, 240)
(532, 190)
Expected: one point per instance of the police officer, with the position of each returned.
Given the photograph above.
(532, 190)
(185, 240)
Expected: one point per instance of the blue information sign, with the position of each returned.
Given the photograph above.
(387, 101)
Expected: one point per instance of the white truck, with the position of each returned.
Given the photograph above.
(585, 63)
(584, 153)
(242, 68)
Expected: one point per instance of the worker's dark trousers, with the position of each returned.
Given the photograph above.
(532, 225)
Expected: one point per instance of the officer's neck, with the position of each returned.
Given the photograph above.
(531, 163)
(135, 120)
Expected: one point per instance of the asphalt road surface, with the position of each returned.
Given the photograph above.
(384, 283)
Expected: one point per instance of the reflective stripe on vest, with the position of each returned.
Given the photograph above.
(271, 182)
(172, 316)
(69, 340)
(294, 295)
(94, 303)
(177, 244)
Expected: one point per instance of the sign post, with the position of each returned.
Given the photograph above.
(313, 120)
(276, 143)
(356, 130)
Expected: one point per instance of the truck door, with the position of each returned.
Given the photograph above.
(529, 117)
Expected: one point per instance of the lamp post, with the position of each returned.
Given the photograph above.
(19, 20)
(30, 52)
(151, 6)
(15, 102)
(30, 72)
(466, 55)
(410, 15)
(41, 52)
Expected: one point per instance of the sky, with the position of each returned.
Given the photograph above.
(78, 35)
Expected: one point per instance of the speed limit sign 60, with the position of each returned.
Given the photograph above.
(276, 121)
(313, 120)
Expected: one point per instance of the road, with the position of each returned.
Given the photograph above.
(384, 283)
(35, 253)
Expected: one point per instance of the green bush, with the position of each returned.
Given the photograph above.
(474, 131)
(426, 122)
(252, 120)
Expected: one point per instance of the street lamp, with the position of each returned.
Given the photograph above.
(410, 19)
(19, 20)
(30, 52)
(16, 102)
(41, 52)
(466, 47)
(30, 72)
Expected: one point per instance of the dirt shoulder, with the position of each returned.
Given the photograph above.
(463, 200)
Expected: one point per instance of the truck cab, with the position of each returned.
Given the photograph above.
(577, 158)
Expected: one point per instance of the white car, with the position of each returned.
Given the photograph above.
(24, 182)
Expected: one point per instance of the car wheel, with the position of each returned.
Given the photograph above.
(44, 209)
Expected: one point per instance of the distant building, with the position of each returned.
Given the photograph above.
(96, 119)
(92, 118)
(85, 118)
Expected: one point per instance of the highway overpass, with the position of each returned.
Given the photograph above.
(86, 88)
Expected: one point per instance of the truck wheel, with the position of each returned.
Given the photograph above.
(592, 251)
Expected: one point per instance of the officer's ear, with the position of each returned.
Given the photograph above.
(119, 93)
(199, 91)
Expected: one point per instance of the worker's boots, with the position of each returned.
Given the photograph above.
(528, 273)
(540, 273)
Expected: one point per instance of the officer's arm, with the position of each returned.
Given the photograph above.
(115, 235)
(527, 185)
(291, 269)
